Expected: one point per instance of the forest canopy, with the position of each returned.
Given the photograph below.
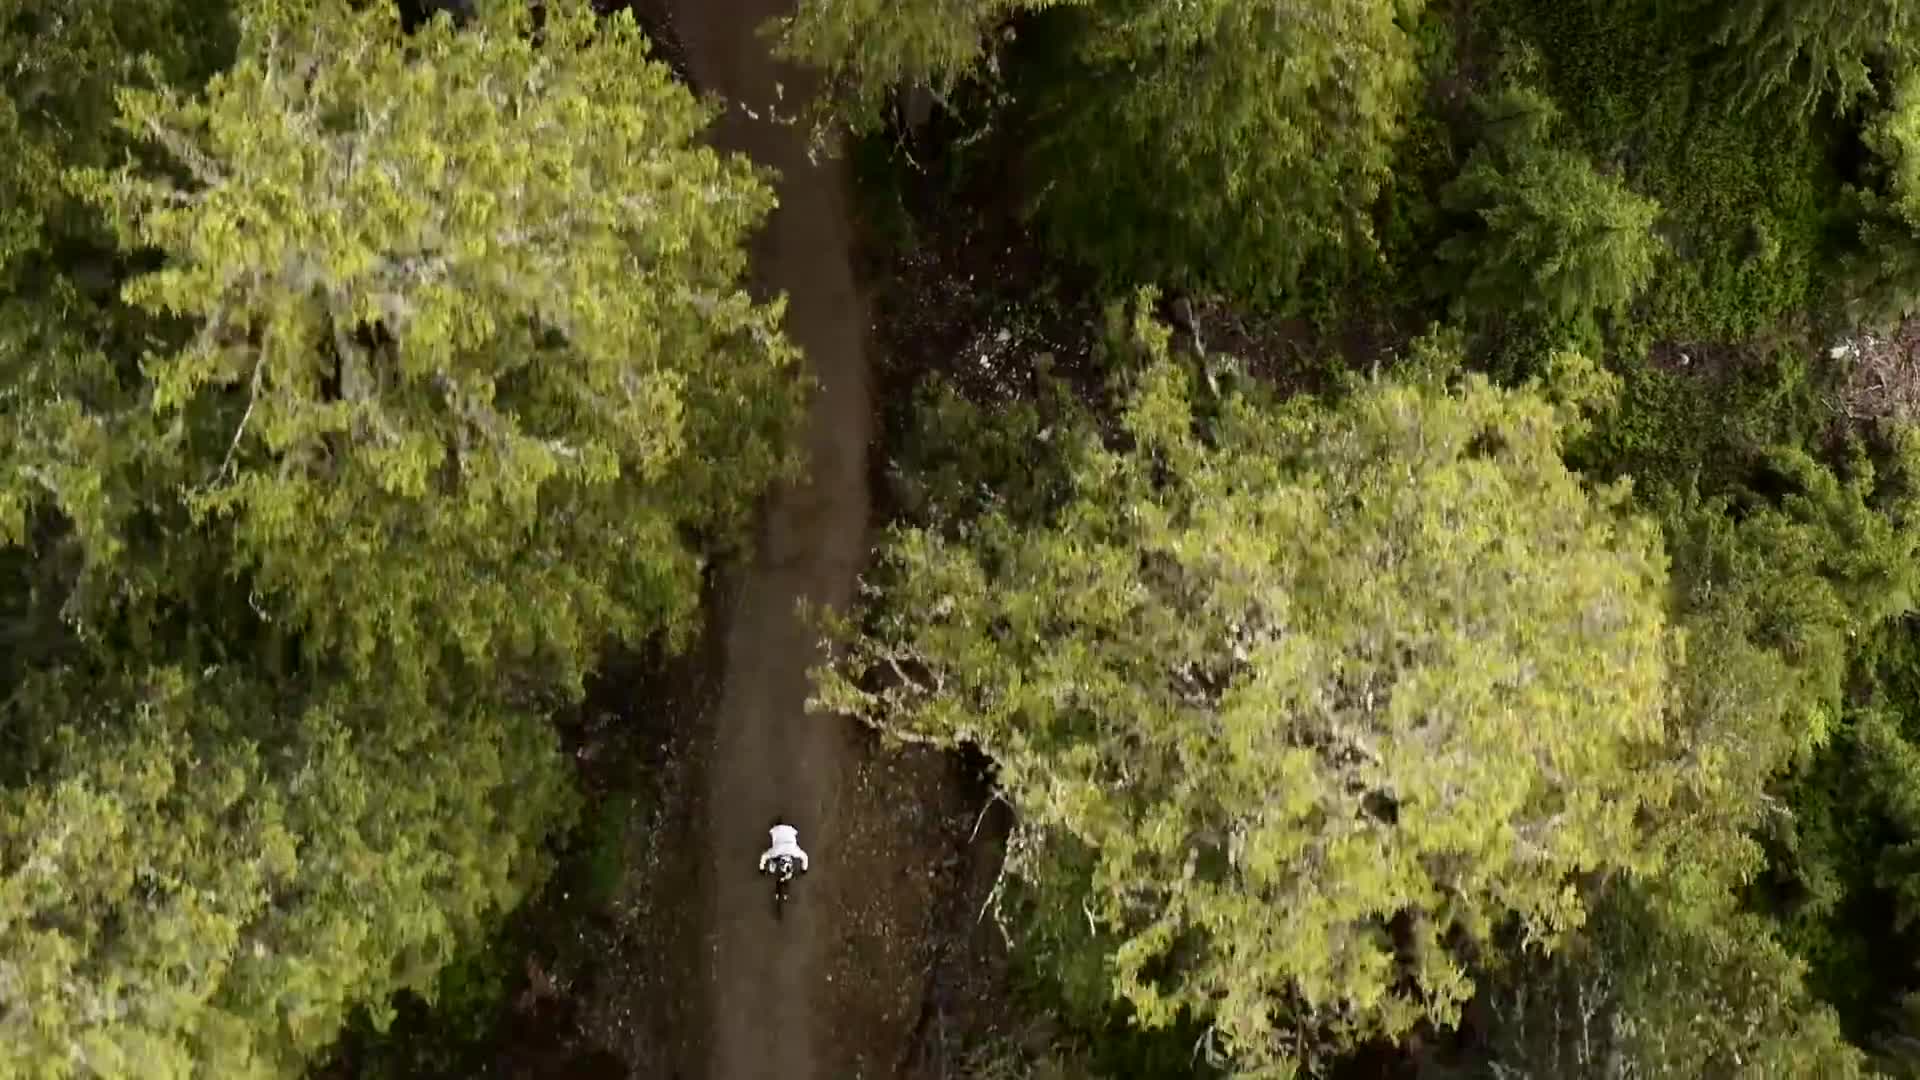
(1416, 505)
(424, 370)
(1291, 673)
(1707, 201)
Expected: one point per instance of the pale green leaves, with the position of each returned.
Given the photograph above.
(201, 887)
(1293, 672)
(448, 377)
(464, 306)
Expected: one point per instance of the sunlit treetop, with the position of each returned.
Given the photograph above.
(466, 357)
(1323, 695)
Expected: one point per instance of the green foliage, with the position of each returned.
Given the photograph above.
(1785, 564)
(1846, 882)
(1554, 237)
(59, 66)
(1263, 663)
(1748, 194)
(202, 881)
(1672, 978)
(1777, 576)
(1647, 993)
(1809, 52)
(868, 49)
(1825, 559)
(1894, 138)
(1781, 565)
(1227, 144)
(1882, 282)
(1761, 1023)
(423, 369)
(458, 294)
(1702, 419)
(1061, 971)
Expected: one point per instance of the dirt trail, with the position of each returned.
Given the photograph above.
(765, 980)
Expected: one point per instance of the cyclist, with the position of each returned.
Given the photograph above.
(786, 841)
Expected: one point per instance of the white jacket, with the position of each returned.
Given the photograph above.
(786, 841)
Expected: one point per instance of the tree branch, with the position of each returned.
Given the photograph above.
(253, 398)
(189, 155)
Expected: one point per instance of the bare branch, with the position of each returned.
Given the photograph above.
(197, 163)
(978, 821)
(253, 398)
